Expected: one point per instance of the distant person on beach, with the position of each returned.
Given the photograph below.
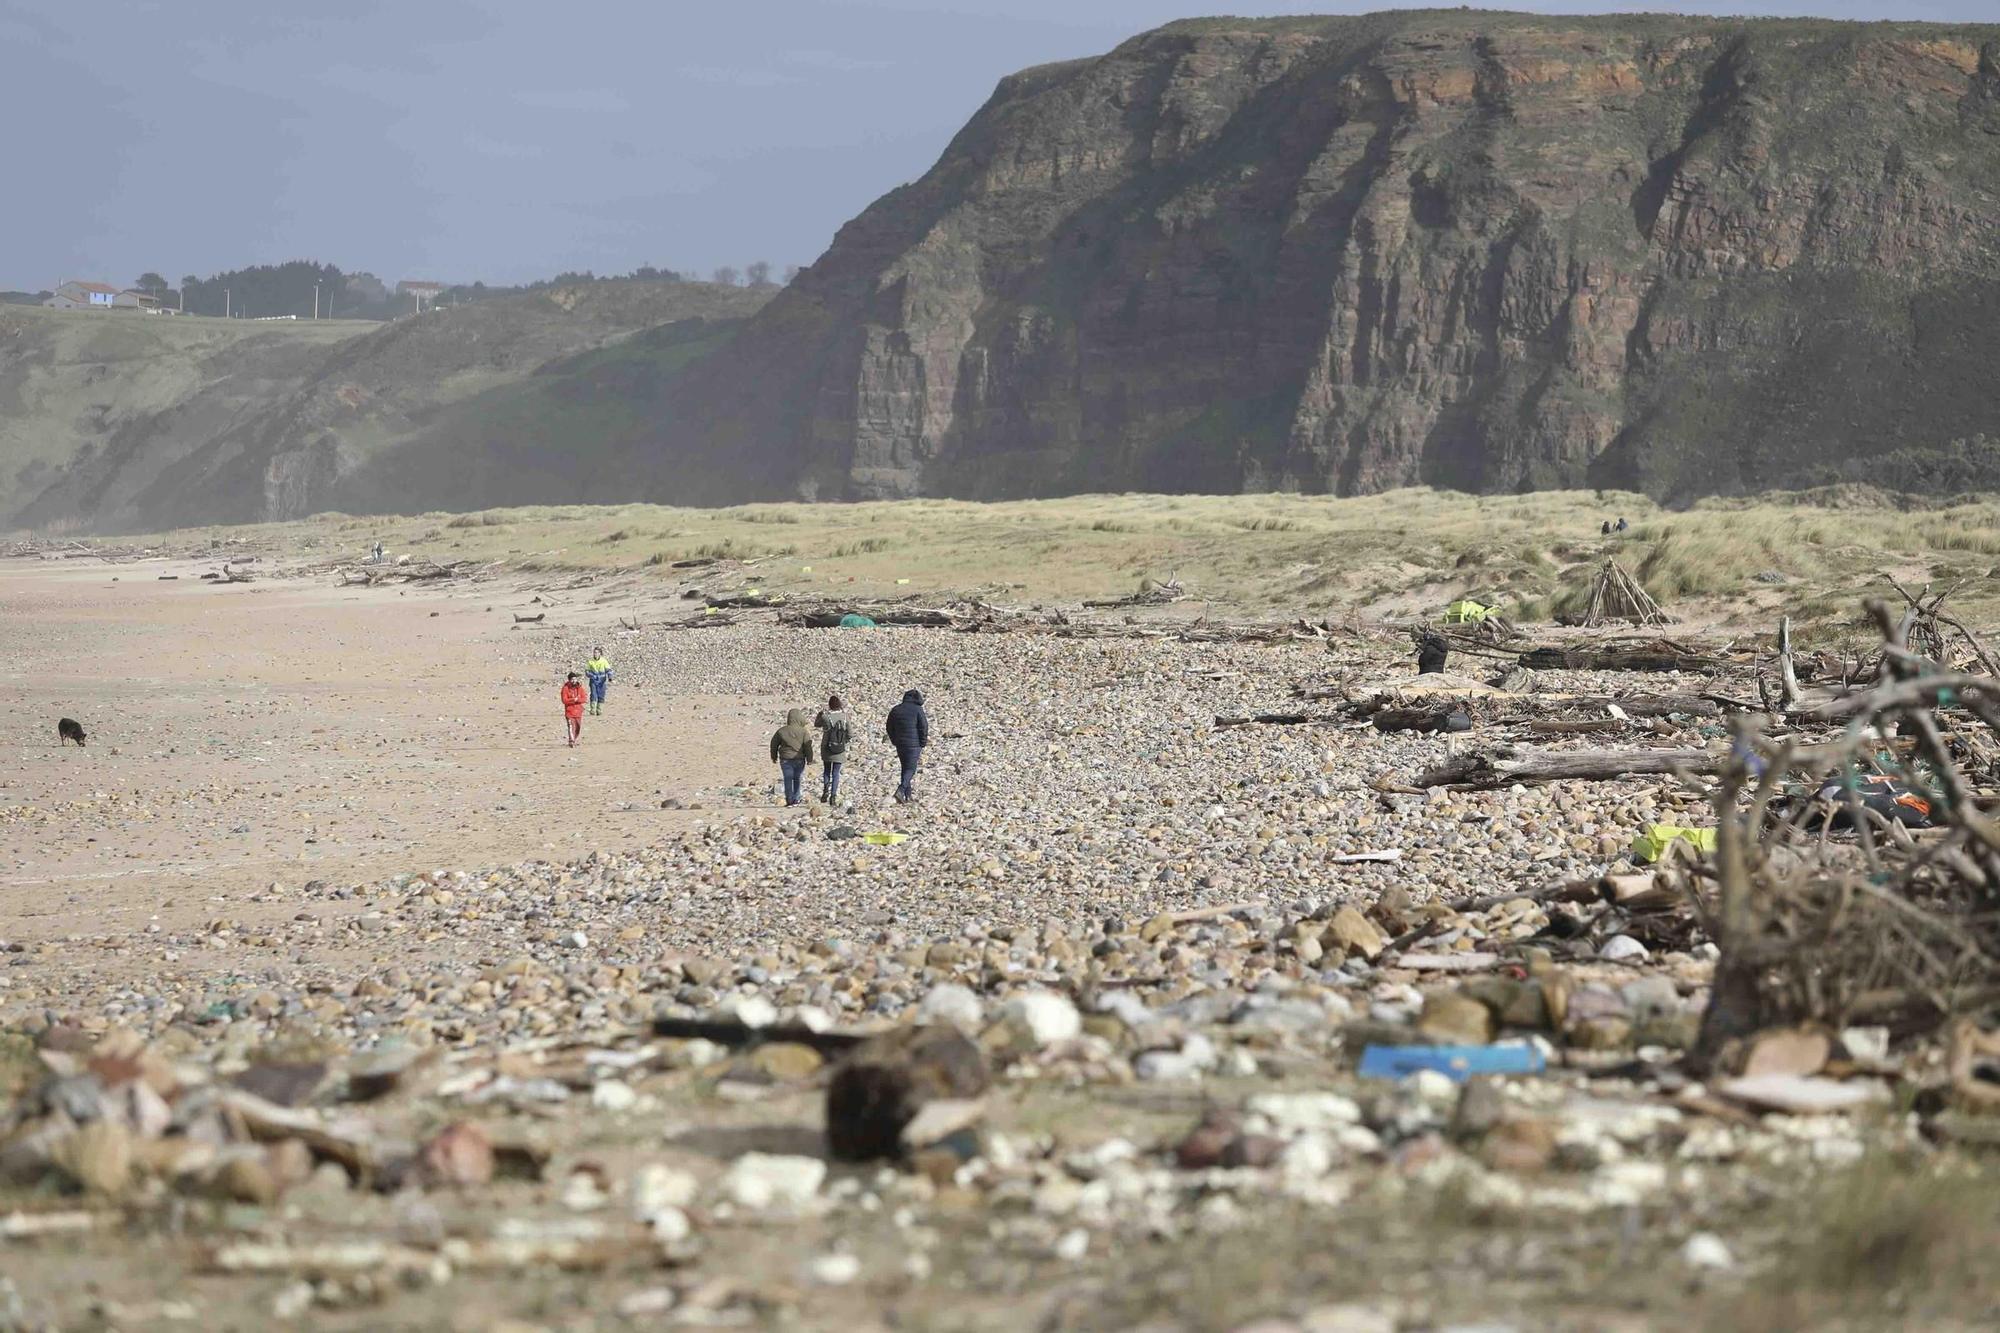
(598, 668)
(791, 751)
(572, 702)
(835, 732)
(910, 732)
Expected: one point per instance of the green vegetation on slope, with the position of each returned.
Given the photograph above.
(122, 422)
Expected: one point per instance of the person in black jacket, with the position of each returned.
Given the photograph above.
(909, 731)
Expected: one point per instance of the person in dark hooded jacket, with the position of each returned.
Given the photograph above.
(909, 731)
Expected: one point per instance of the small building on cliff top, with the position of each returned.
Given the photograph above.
(99, 296)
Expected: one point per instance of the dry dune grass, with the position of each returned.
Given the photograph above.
(1401, 552)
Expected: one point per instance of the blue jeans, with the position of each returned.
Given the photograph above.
(829, 783)
(906, 789)
(597, 689)
(795, 772)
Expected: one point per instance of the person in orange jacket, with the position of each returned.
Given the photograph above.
(572, 701)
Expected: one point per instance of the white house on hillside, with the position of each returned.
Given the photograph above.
(99, 296)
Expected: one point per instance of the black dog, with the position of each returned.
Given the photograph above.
(69, 729)
(1430, 654)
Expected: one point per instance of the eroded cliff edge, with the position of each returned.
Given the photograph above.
(1478, 250)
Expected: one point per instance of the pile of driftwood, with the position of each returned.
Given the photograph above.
(1529, 714)
(1615, 596)
(1152, 592)
(828, 616)
(1852, 888)
(1628, 653)
(1859, 881)
(974, 616)
(417, 571)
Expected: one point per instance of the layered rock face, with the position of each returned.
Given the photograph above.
(1486, 251)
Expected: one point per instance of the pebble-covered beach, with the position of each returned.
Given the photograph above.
(436, 1098)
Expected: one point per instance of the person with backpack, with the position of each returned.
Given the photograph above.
(791, 751)
(598, 670)
(835, 732)
(909, 731)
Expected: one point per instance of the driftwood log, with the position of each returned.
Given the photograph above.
(1277, 720)
(741, 1036)
(1449, 717)
(1501, 770)
(1557, 658)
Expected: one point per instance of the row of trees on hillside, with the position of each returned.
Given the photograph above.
(752, 275)
(266, 290)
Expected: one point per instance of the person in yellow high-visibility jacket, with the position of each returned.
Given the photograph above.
(598, 668)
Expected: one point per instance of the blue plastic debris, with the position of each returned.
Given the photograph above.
(1456, 1062)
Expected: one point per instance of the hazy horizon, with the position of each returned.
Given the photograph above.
(471, 140)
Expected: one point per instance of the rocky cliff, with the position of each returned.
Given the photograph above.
(1475, 250)
(1468, 249)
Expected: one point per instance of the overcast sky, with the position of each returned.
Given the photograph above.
(511, 139)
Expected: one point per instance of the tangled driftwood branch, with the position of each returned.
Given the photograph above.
(1826, 907)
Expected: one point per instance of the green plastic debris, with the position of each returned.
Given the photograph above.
(852, 621)
(1651, 845)
(1465, 611)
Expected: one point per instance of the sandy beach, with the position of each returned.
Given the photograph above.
(287, 730)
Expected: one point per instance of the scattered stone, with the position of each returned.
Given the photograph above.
(459, 1155)
(1802, 1095)
(760, 1181)
(1706, 1250)
(1041, 1018)
(1452, 1019)
(954, 1004)
(1350, 933)
(98, 1157)
(786, 1061)
(656, 1187)
(751, 1010)
(835, 1270)
(880, 1088)
(1786, 1052)
(1621, 949)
